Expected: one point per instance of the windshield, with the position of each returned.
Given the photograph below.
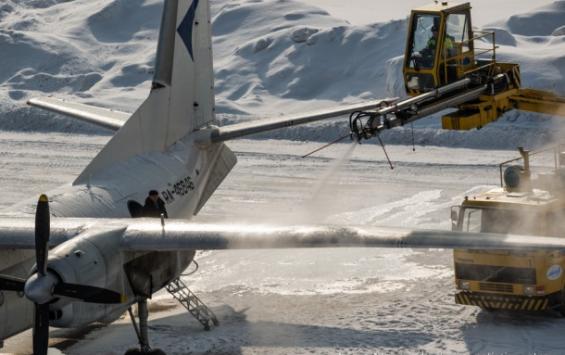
(424, 41)
(501, 221)
(458, 30)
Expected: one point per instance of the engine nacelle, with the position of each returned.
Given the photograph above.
(93, 258)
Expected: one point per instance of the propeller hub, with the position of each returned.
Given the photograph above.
(39, 289)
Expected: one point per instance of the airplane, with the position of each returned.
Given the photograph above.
(82, 258)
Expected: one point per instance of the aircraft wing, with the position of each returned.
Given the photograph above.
(263, 125)
(150, 235)
(106, 118)
(182, 235)
(19, 233)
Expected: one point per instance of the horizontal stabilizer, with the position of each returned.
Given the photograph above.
(150, 235)
(102, 117)
(258, 126)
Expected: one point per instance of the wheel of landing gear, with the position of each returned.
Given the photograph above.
(133, 351)
(157, 352)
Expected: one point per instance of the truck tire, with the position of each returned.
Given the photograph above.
(561, 307)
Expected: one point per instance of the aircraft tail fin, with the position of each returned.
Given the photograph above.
(182, 95)
(218, 171)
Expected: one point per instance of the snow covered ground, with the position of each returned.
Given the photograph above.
(349, 301)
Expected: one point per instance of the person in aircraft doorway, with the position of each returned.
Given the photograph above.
(154, 206)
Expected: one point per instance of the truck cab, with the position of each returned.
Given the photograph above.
(513, 280)
(442, 49)
(439, 48)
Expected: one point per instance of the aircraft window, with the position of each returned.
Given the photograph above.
(458, 30)
(422, 50)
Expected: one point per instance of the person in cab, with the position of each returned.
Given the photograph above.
(432, 42)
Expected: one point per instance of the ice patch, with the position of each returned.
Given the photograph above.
(306, 272)
(403, 210)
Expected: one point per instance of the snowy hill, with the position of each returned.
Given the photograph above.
(271, 58)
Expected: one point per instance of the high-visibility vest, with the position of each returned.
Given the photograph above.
(447, 44)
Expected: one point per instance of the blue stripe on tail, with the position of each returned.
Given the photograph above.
(186, 26)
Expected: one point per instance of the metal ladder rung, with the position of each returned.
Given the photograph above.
(192, 303)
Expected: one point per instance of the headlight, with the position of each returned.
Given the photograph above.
(529, 290)
(464, 285)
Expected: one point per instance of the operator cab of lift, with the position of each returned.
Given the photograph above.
(439, 47)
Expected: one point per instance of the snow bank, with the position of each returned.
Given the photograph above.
(286, 55)
(101, 52)
(541, 22)
(272, 58)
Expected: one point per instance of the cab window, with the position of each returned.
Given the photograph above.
(500, 221)
(472, 220)
(457, 31)
(423, 44)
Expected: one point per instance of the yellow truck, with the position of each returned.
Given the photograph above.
(449, 65)
(511, 280)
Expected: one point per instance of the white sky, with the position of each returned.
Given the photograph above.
(368, 11)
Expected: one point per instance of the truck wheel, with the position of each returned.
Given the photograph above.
(561, 307)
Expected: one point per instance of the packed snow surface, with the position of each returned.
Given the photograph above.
(271, 58)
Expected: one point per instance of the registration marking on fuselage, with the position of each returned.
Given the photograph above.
(178, 189)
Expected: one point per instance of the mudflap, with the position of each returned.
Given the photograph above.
(504, 302)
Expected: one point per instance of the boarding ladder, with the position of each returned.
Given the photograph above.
(193, 304)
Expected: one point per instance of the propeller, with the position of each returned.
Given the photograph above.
(43, 287)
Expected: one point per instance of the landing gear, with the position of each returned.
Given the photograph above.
(142, 331)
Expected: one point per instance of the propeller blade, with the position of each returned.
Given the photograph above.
(41, 329)
(88, 294)
(10, 283)
(42, 226)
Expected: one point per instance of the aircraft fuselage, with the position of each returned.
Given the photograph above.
(179, 174)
